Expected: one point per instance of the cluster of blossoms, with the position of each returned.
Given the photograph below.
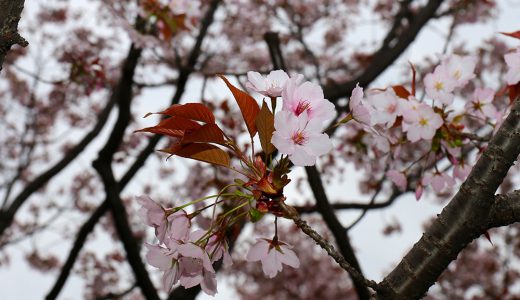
(184, 253)
(305, 111)
(395, 119)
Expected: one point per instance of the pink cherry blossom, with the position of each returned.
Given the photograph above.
(217, 249)
(307, 97)
(300, 138)
(482, 103)
(460, 68)
(272, 254)
(386, 107)
(150, 212)
(422, 125)
(513, 64)
(398, 178)
(185, 262)
(270, 86)
(195, 268)
(461, 171)
(439, 85)
(419, 191)
(438, 181)
(165, 260)
(360, 111)
(178, 225)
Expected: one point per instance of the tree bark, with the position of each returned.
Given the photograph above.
(10, 14)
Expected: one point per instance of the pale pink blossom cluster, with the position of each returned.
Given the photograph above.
(389, 115)
(305, 111)
(454, 72)
(185, 257)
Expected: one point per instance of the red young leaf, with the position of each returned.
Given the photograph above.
(247, 104)
(413, 78)
(401, 91)
(201, 152)
(488, 237)
(208, 133)
(265, 125)
(514, 92)
(173, 126)
(515, 34)
(193, 111)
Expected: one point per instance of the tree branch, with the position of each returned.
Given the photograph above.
(465, 218)
(322, 202)
(393, 46)
(103, 165)
(10, 14)
(7, 216)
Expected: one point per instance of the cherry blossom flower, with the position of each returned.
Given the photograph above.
(272, 254)
(513, 64)
(460, 68)
(217, 249)
(184, 262)
(270, 86)
(195, 268)
(150, 212)
(482, 103)
(419, 191)
(386, 107)
(438, 181)
(165, 260)
(461, 171)
(360, 112)
(300, 138)
(422, 125)
(178, 225)
(398, 178)
(439, 85)
(307, 97)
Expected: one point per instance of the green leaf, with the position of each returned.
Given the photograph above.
(265, 125)
(255, 215)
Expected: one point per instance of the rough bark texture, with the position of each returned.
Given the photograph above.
(10, 14)
(465, 218)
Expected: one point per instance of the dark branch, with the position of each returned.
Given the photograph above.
(10, 14)
(81, 237)
(322, 202)
(398, 39)
(112, 189)
(465, 218)
(7, 216)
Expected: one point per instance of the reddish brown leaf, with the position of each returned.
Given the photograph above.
(514, 92)
(193, 111)
(201, 152)
(413, 78)
(265, 125)
(515, 34)
(247, 104)
(208, 133)
(173, 126)
(401, 91)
